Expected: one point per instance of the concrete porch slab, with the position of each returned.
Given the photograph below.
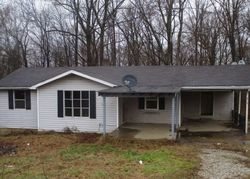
(143, 131)
(207, 125)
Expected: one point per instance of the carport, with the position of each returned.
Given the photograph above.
(140, 120)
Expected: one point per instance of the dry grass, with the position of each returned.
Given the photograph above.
(92, 156)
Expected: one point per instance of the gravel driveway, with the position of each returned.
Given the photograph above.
(222, 164)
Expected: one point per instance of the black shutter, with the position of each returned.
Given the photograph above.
(141, 103)
(11, 99)
(60, 103)
(28, 100)
(161, 103)
(92, 104)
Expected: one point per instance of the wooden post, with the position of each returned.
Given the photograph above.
(247, 102)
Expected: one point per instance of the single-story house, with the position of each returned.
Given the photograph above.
(94, 99)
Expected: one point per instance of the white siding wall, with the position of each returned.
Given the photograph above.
(132, 114)
(17, 118)
(223, 104)
(48, 119)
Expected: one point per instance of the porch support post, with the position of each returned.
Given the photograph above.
(247, 102)
(179, 108)
(176, 110)
(173, 117)
(239, 107)
(104, 115)
(233, 101)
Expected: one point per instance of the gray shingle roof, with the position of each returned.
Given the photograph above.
(150, 78)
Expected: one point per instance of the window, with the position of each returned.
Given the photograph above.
(85, 103)
(20, 99)
(151, 103)
(76, 103)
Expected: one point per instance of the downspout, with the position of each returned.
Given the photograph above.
(38, 108)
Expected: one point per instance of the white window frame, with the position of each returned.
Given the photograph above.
(150, 99)
(14, 99)
(88, 104)
(64, 101)
(79, 108)
(72, 104)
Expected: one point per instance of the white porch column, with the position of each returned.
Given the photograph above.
(239, 107)
(247, 102)
(173, 118)
(233, 101)
(176, 110)
(104, 115)
(179, 108)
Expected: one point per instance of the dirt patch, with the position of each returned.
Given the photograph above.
(88, 138)
(7, 148)
(12, 132)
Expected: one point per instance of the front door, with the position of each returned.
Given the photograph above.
(207, 100)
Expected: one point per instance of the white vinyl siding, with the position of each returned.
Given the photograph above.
(131, 112)
(48, 119)
(17, 118)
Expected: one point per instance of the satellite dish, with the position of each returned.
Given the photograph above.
(241, 62)
(129, 81)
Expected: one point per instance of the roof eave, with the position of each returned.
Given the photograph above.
(215, 88)
(15, 88)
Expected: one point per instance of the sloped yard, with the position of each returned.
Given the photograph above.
(90, 156)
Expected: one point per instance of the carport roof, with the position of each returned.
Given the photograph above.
(139, 90)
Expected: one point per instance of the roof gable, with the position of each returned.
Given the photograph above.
(72, 72)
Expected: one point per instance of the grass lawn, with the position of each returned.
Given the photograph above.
(90, 156)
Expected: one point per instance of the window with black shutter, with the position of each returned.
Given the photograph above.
(19, 99)
(28, 99)
(76, 103)
(151, 103)
(92, 104)
(60, 103)
(11, 99)
(161, 103)
(141, 103)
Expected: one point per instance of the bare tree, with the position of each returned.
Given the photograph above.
(228, 13)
